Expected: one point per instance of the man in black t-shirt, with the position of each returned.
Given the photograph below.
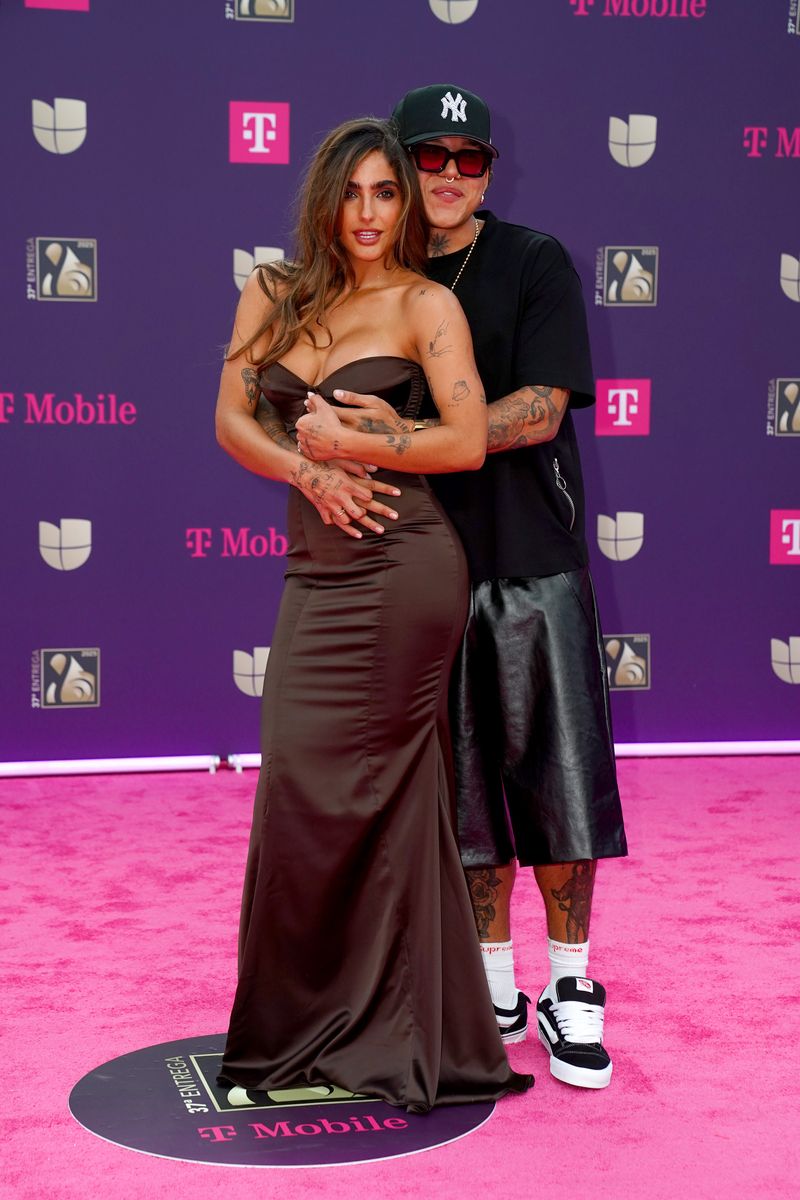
(530, 720)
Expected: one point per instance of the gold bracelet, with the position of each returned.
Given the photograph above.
(419, 425)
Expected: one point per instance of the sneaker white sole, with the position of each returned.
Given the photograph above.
(511, 1039)
(577, 1076)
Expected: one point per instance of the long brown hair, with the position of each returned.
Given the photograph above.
(301, 290)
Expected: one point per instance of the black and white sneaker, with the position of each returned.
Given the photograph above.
(513, 1022)
(571, 1028)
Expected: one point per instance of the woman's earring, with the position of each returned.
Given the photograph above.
(483, 197)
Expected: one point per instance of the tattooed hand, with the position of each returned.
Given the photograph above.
(342, 498)
(319, 432)
(370, 414)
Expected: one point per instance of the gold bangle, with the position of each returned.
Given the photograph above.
(419, 425)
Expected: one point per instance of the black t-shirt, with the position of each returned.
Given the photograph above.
(524, 304)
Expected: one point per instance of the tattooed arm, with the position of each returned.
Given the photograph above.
(531, 415)
(273, 425)
(237, 431)
(442, 345)
(526, 417)
(523, 418)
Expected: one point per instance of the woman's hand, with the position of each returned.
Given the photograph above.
(341, 497)
(320, 432)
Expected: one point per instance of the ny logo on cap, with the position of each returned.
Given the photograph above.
(457, 108)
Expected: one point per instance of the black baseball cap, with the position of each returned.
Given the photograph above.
(443, 110)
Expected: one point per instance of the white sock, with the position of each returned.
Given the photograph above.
(566, 958)
(498, 963)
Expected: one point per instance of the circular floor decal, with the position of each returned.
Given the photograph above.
(164, 1100)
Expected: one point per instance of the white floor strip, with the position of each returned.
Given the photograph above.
(238, 762)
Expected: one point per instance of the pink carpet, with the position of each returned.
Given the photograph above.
(120, 917)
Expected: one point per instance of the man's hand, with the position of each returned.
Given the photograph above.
(370, 414)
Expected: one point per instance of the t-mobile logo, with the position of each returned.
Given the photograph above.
(621, 403)
(259, 132)
(258, 128)
(70, 5)
(623, 407)
(756, 140)
(790, 535)
(669, 9)
(784, 537)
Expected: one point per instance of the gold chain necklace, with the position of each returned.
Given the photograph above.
(469, 253)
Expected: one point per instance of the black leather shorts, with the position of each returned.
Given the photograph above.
(531, 726)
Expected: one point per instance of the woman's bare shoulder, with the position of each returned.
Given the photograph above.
(262, 292)
(415, 284)
(428, 305)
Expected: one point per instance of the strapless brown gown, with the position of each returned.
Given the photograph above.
(359, 960)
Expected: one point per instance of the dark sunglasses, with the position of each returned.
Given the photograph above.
(433, 159)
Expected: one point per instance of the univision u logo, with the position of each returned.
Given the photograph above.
(59, 127)
(67, 545)
(244, 263)
(622, 537)
(249, 669)
(790, 276)
(786, 659)
(632, 143)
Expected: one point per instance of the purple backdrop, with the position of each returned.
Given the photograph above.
(118, 280)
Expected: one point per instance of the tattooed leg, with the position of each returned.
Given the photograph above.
(490, 892)
(567, 893)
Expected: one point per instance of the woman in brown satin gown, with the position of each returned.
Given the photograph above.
(359, 960)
